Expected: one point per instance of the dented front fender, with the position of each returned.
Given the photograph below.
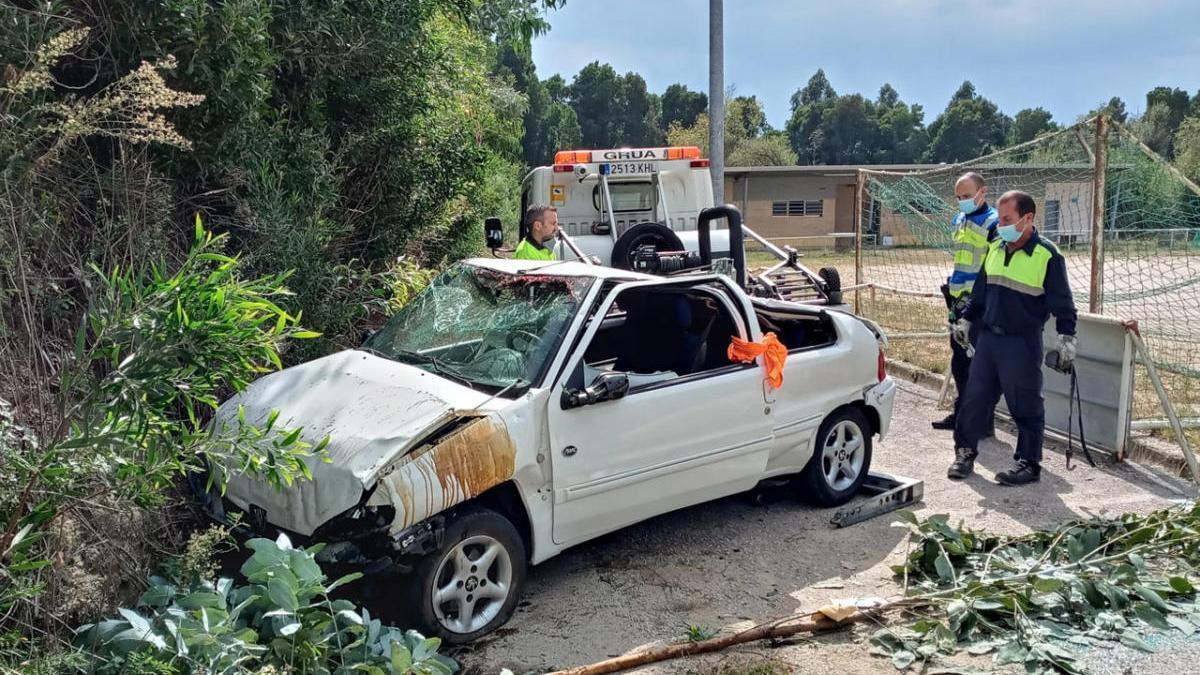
(477, 455)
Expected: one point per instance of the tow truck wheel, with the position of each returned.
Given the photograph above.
(471, 585)
(662, 237)
(840, 461)
(833, 284)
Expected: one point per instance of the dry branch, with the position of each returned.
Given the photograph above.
(796, 624)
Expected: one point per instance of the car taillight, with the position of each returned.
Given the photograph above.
(700, 163)
(882, 372)
(564, 168)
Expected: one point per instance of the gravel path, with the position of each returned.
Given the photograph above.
(729, 563)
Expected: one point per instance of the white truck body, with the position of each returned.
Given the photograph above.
(668, 185)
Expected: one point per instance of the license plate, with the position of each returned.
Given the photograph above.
(630, 168)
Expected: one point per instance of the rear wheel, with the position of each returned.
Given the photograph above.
(471, 585)
(840, 461)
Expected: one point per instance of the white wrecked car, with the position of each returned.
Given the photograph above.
(514, 409)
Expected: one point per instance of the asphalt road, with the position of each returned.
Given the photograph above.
(733, 562)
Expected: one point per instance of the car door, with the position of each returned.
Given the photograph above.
(663, 446)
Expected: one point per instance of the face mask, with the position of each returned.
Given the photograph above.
(1008, 233)
(967, 205)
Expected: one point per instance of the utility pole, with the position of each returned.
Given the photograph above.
(716, 98)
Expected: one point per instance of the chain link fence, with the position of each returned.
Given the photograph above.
(1145, 266)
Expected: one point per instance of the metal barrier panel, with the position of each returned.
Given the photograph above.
(1104, 369)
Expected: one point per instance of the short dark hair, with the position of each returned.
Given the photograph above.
(537, 212)
(1024, 202)
(974, 177)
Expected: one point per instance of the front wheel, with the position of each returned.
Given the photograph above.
(471, 585)
(840, 461)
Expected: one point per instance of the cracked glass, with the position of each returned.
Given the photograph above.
(485, 329)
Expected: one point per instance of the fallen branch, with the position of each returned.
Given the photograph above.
(796, 624)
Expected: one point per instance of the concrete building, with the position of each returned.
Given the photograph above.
(814, 206)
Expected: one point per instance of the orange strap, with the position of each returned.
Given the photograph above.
(773, 351)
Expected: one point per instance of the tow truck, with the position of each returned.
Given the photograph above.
(639, 209)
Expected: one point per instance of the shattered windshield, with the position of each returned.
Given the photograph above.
(485, 329)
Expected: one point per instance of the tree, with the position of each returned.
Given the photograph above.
(595, 95)
(1187, 148)
(639, 111)
(1157, 127)
(1115, 108)
(970, 126)
(817, 90)
(769, 150)
(681, 105)
(902, 136)
(556, 88)
(1029, 124)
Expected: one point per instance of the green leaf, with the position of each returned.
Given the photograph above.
(282, 594)
(1151, 616)
(1044, 585)
(944, 569)
(1132, 640)
(1181, 585)
(1153, 598)
(1182, 625)
(305, 334)
(903, 659)
(1011, 652)
(907, 516)
(401, 658)
(290, 629)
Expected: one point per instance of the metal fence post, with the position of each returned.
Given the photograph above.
(858, 238)
(1096, 287)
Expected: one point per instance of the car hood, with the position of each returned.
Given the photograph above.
(372, 409)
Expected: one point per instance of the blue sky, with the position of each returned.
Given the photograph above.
(1067, 56)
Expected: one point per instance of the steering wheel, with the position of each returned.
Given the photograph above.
(528, 337)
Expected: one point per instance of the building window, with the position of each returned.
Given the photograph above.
(811, 207)
(1053, 210)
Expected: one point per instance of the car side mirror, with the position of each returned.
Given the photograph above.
(606, 387)
(493, 232)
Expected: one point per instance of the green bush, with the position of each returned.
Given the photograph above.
(154, 355)
(282, 617)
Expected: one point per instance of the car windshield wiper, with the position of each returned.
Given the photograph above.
(440, 367)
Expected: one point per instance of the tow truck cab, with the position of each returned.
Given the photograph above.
(611, 202)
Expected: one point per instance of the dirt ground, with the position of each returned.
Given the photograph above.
(732, 562)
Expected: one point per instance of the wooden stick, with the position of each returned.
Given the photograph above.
(793, 625)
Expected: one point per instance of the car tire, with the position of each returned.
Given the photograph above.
(833, 284)
(662, 237)
(442, 582)
(841, 459)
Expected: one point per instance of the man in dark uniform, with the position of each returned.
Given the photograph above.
(1023, 281)
(974, 229)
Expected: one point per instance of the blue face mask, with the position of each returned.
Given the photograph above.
(1008, 233)
(967, 205)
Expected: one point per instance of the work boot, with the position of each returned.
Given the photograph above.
(944, 424)
(964, 463)
(1023, 473)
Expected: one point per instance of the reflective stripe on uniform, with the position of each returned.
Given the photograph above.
(1024, 273)
(969, 250)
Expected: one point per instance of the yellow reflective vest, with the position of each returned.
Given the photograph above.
(971, 234)
(526, 250)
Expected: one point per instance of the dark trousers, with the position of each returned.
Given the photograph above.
(960, 366)
(1009, 365)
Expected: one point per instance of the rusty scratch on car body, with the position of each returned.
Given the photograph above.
(464, 464)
